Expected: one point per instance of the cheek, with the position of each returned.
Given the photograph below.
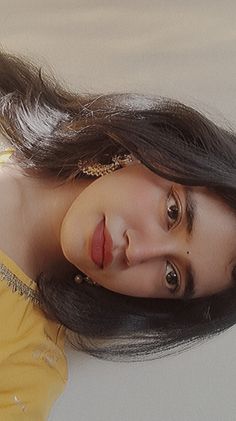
(141, 281)
(137, 198)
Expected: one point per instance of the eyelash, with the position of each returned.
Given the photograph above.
(168, 264)
(177, 201)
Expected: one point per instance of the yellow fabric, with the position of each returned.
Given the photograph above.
(33, 367)
(5, 155)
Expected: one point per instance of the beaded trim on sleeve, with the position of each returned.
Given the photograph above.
(17, 285)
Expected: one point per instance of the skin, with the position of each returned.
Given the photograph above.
(48, 227)
(148, 242)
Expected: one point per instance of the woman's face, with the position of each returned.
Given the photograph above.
(168, 241)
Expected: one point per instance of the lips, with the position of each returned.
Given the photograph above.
(101, 247)
(98, 244)
(108, 245)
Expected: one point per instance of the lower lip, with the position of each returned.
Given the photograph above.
(98, 244)
(108, 245)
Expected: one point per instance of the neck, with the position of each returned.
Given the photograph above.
(36, 217)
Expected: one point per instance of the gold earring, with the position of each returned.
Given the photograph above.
(78, 279)
(99, 170)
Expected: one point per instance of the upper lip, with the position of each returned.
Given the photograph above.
(101, 245)
(97, 244)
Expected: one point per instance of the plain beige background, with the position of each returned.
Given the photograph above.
(182, 49)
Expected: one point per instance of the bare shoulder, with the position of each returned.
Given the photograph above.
(9, 187)
(10, 204)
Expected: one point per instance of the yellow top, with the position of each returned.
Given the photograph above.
(33, 367)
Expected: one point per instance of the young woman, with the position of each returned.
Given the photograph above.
(118, 223)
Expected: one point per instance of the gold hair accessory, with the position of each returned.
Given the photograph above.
(99, 170)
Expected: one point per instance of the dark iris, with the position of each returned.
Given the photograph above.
(172, 278)
(173, 212)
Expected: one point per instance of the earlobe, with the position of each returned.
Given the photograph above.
(134, 160)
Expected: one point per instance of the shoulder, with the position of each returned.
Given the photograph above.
(10, 203)
(10, 192)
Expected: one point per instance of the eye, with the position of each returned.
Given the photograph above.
(173, 210)
(172, 280)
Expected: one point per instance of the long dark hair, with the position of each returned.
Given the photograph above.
(51, 129)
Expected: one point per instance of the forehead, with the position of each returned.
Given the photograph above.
(213, 243)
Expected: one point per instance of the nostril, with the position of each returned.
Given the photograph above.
(126, 259)
(127, 239)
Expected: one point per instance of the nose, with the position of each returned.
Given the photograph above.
(142, 248)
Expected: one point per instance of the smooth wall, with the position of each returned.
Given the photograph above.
(177, 48)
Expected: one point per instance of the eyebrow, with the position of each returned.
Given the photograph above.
(190, 214)
(190, 211)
